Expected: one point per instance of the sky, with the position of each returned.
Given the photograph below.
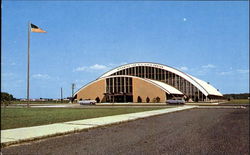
(209, 40)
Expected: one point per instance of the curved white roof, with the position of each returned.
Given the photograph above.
(169, 89)
(205, 88)
(210, 88)
(165, 87)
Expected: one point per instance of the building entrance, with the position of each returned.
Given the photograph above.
(119, 98)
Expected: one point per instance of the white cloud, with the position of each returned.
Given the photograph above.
(98, 67)
(8, 74)
(243, 71)
(183, 68)
(113, 65)
(41, 76)
(8, 63)
(19, 81)
(91, 68)
(184, 19)
(226, 73)
(13, 64)
(80, 69)
(123, 63)
(200, 72)
(78, 81)
(208, 66)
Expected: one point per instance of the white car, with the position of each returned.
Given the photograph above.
(176, 101)
(87, 102)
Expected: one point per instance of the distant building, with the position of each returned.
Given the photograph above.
(23, 99)
(147, 82)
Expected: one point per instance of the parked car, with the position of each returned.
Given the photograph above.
(87, 102)
(176, 101)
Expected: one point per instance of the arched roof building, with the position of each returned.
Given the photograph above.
(125, 88)
(170, 81)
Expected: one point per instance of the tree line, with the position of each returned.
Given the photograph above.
(6, 98)
(237, 96)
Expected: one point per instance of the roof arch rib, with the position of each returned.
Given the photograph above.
(165, 87)
(203, 86)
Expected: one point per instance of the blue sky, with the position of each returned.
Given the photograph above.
(209, 40)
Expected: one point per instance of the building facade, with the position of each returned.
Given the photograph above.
(147, 82)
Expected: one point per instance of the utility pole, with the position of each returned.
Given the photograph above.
(72, 96)
(61, 94)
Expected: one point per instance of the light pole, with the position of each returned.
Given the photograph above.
(72, 95)
(61, 94)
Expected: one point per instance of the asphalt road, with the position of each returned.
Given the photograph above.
(196, 131)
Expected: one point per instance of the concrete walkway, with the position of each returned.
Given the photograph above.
(12, 136)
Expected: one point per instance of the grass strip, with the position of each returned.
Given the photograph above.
(238, 101)
(26, 117)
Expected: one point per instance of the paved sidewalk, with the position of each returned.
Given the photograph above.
(12, 136)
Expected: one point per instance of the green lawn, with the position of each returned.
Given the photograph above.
(238, 101)
(25, 117)
(39, 102)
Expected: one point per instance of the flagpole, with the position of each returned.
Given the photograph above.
(28, 68)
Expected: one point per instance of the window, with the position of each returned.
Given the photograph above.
(133, 71)
(142, 71)
(163, 76)
(147, 72)
(156, 73)
(166, 77)
(170, 78)
(153, 73)
(173, 80)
